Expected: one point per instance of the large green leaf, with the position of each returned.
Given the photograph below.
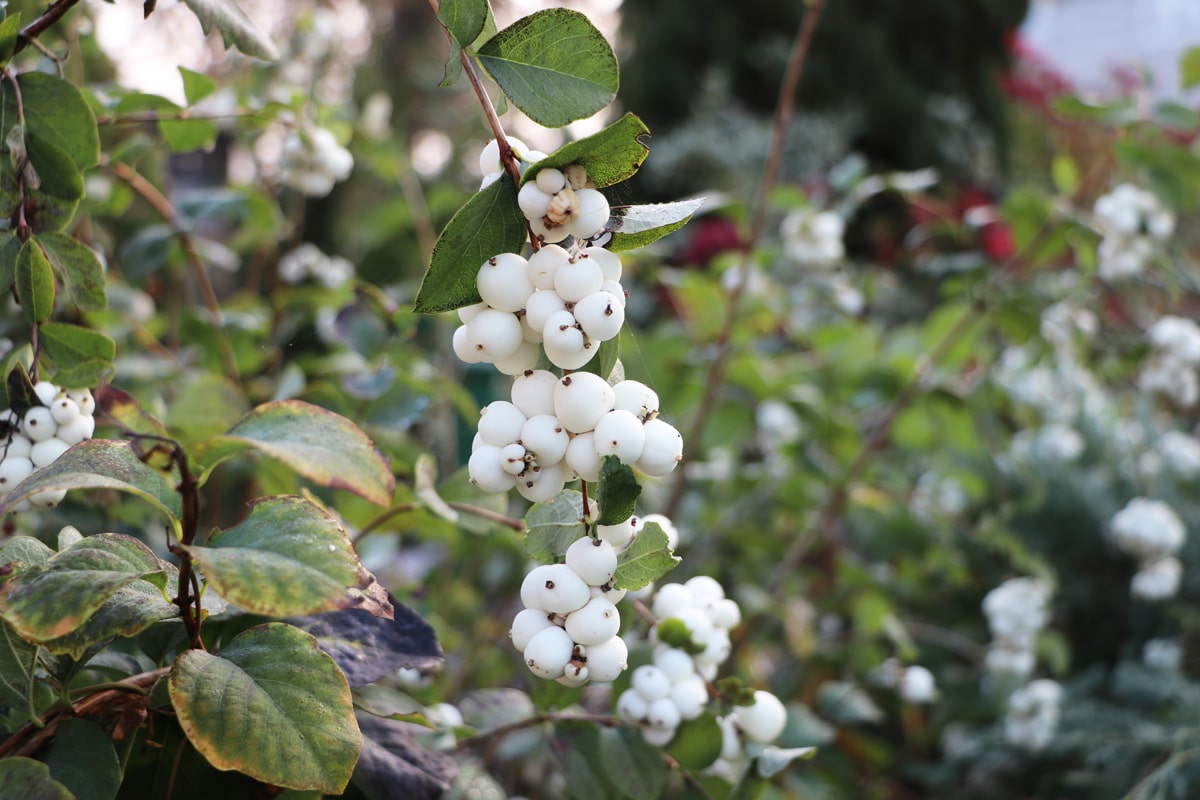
(236, 28)
(102, 464)
(206, 406)
(82, 758)
(636, 769)
(316, 443)
(48, 601)
(78, 268)
(697, 742)
(10, 28)
(52, 206)
(638, 226)
(289, 557)
(647, 558)
(68, 345)
(610, 156)
(617, 492)
(55, 113)
(553, 65)
(35, 283)
(553, 526)
(272, 705)
(25, 779)
(467, 21)
(488, 224)
(18, 667)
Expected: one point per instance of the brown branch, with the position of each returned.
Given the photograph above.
(486, 513)
(36, 28)
(721, 346)
(162, 206)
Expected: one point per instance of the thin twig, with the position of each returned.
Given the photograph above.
(162, 206)
(721, 346)
(486, 513)
(182, 116)
(36, 28)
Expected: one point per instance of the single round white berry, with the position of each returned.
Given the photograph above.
(676, 663)
(717, 648)
(547, 234)
(600, 315)
(631, 707)
(489, 179)
(533, 201)
(577, 279)
(484, 467)
(606, 661)
(17, 446)
(468, 313)
(489, 158)
(500, 423)
(663, 450)
(670, 599)
(594, 560)
(582, 458)
(726, 614)
(618, 535)
(463, 348)
(550, 180)
(46, 392)
(525, 624)
(84, 399)
(545, 437)
(555, 588)
(544, 263)
(570, 353)
(503, 282)
(620, 434)
(75, 432)
(663, 713)
(512, 458)
(636, 398)
(64, 410)
(525, 359)
(494, 334)
(595, 623)
(706, 591)
(47, 499)
(544, 484)
(13, 470)
(650, 682)
(658, 737)
(592, 215)
(541, 305)
(580, 400)
(39, 424)
(533, 392)
(763, 721)
(609, 262)
(548, 652)
(46, 452)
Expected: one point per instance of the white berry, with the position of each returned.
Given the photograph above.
(606, 661)
(580, 400)
(39, 424)
(595, 623)
(582, 458)
(620, 434)
(545, 437)
(46, 392)
(533, 392)
(636, 398)
(600, 315)
(545, 483)
(577, 279)
(525, 624)
(494, 334)
(663, 449)
(650, 682)
(46, 452)
(500, 423)
(486, 471)
(763, 721)
(13, 470)
(544, 263)
(555, 588)
(548, 652)
(503, 282)
(594, 560)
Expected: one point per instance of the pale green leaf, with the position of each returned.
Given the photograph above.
(610, 155)
(35, 283)
(235, 27)
(82, 758)
(638, 226)
(553, 526)
(647, 558)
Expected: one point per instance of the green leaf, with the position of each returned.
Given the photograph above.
(68, 345)
(47, 601)
(35, 283)
(617, 492)
(236, 28)
(52, 206)
(638, 226)
(553, 526)
(288, 558)
(102, 464)
(846, 704)
(553, 65)
(18, 668)
(125, 410)
(647, 558)
(488, 224)
(188, 135)
(57, 114)
(10, 247)
(25, 779)
(322, 446)
(773, 760)
(273, 705)
(610, 156)
(19, 390)
(463, 16)
(1189, 68)
(196, 85)
(89, 372)
(9, 28)
(463, 19)
(82, 758)
(697, 742)
(207, 406)
(577, 748)
(636, 769)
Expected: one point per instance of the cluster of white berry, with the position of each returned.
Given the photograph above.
(914, 683)
(1016, 611)
(1033, 714)
(313, 161)
(63, 418)
(308, 261)
(568, 628)
(1172, 368)
(558, 429)
(1152, 532)
(1134, 224)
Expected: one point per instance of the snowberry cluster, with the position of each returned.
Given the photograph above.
(1153, 533)
(1134, 224)
(1172, 368)
(307, 261)
(313, 161)
(914, 683)
(1033, 714)
(673, 688)
(568, 629)
(814, 237)
(558, 429)
(61, 419)
(1016, 611)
